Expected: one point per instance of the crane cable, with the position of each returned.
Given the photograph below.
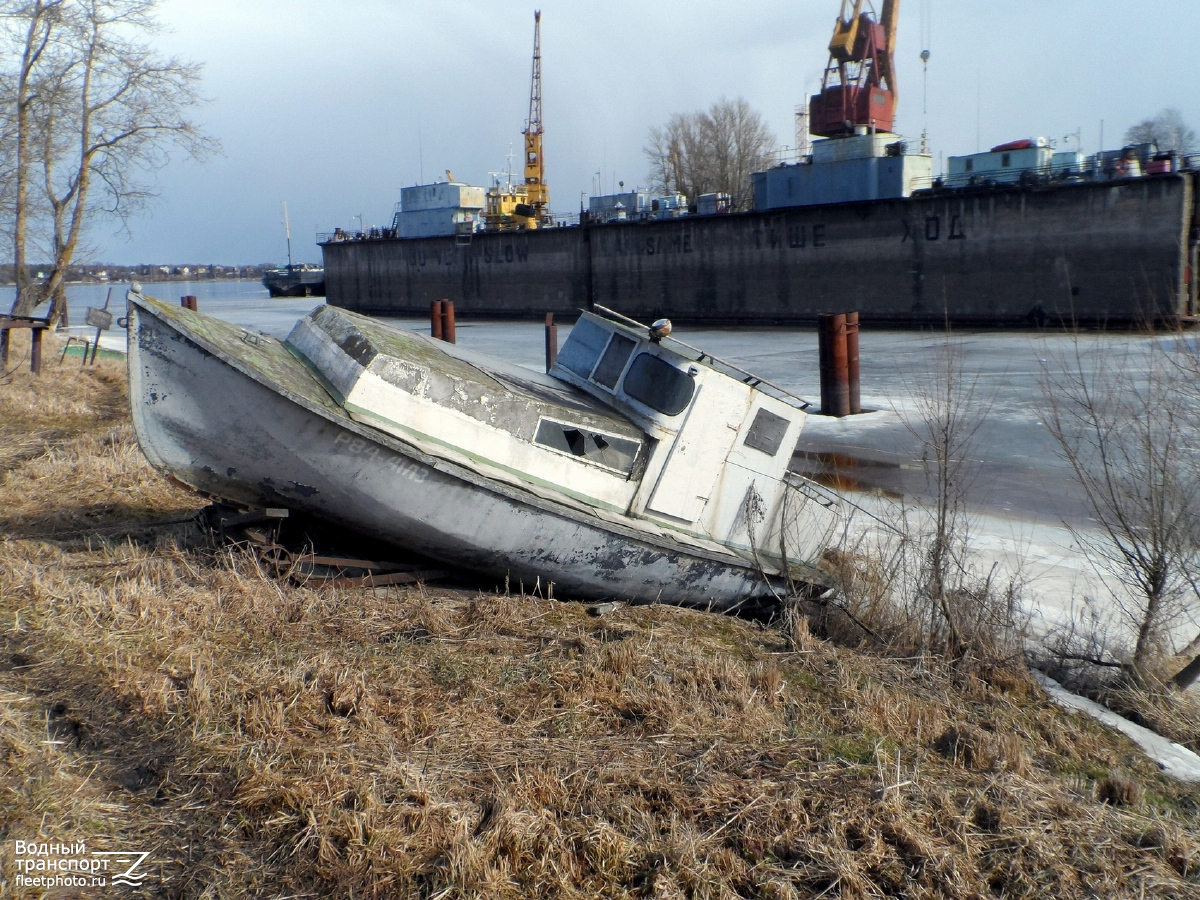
(926, 26)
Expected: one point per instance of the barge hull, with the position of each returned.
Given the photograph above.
(1092, 253)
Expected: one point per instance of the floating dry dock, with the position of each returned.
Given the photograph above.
(1103, 252)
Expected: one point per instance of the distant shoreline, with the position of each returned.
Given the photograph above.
(170, 280)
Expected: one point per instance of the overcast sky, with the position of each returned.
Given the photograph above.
(333, 106)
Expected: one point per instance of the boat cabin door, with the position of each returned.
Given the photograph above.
(693, 469)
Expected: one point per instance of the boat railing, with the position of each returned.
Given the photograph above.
(829, 498)
(724, 366)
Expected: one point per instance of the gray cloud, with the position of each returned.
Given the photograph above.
(332, 107)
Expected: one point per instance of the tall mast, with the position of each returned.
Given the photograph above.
(287, 229)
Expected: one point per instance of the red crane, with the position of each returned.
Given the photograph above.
(859, 87)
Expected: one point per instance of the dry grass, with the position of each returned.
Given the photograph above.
(265, 740)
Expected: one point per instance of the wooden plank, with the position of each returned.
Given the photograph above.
(381, 580)
(349, 562)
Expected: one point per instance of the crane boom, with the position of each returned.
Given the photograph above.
(527, 205)
(537, 193)
(889, 20)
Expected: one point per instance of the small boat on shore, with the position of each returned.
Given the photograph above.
(638, 469)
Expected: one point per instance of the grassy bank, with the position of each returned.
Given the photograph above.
(259, 739)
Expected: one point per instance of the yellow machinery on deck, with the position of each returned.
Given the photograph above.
(523, 206)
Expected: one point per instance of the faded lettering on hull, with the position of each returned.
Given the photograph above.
(932, 229)
(632, 244)
(356, 446)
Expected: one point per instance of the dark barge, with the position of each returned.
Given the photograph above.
(1103, 252)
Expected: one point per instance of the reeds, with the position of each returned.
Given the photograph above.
(261, 739)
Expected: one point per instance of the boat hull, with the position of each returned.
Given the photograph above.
(297, 283)
(256, 428)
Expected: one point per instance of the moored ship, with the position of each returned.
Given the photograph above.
(295, 280)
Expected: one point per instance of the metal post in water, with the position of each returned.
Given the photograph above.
(840, 385)
(823, 360)
(835, 383)
(448, 322)
(852, 362)
(435, 319)
(551, 342)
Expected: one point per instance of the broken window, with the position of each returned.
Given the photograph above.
(659, 385)
(606, 450)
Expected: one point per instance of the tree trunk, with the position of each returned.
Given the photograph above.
(1188, 675)
(59, 312)
(37, 37)
(1190, 649)
(1143, 649)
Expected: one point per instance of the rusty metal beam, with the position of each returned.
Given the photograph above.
(435, 319)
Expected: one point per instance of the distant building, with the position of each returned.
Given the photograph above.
(443, 208)
(865, 166)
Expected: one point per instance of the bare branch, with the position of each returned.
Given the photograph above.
(704, 152)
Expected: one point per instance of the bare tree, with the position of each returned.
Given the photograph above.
(1126, 431)
(97, 113)
(1167, 129)
(702, 152)
(912, 576)
(966, 612)
(29, 28)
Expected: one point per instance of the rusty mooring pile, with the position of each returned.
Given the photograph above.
(837, 335)
(441, 321)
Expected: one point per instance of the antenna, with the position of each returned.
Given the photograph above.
(287, 229)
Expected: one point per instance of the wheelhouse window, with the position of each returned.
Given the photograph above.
(583, 348)
(659, 385)
(612, 364)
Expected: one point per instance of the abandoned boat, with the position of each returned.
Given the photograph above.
(639, 469)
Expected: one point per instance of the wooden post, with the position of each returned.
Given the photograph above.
(35, 350)
(852, 362)
(448, 322)
(551, 342)
(435, 319)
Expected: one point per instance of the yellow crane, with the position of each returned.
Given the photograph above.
(527, 205)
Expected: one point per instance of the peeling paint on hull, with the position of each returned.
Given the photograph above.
(236, 416)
